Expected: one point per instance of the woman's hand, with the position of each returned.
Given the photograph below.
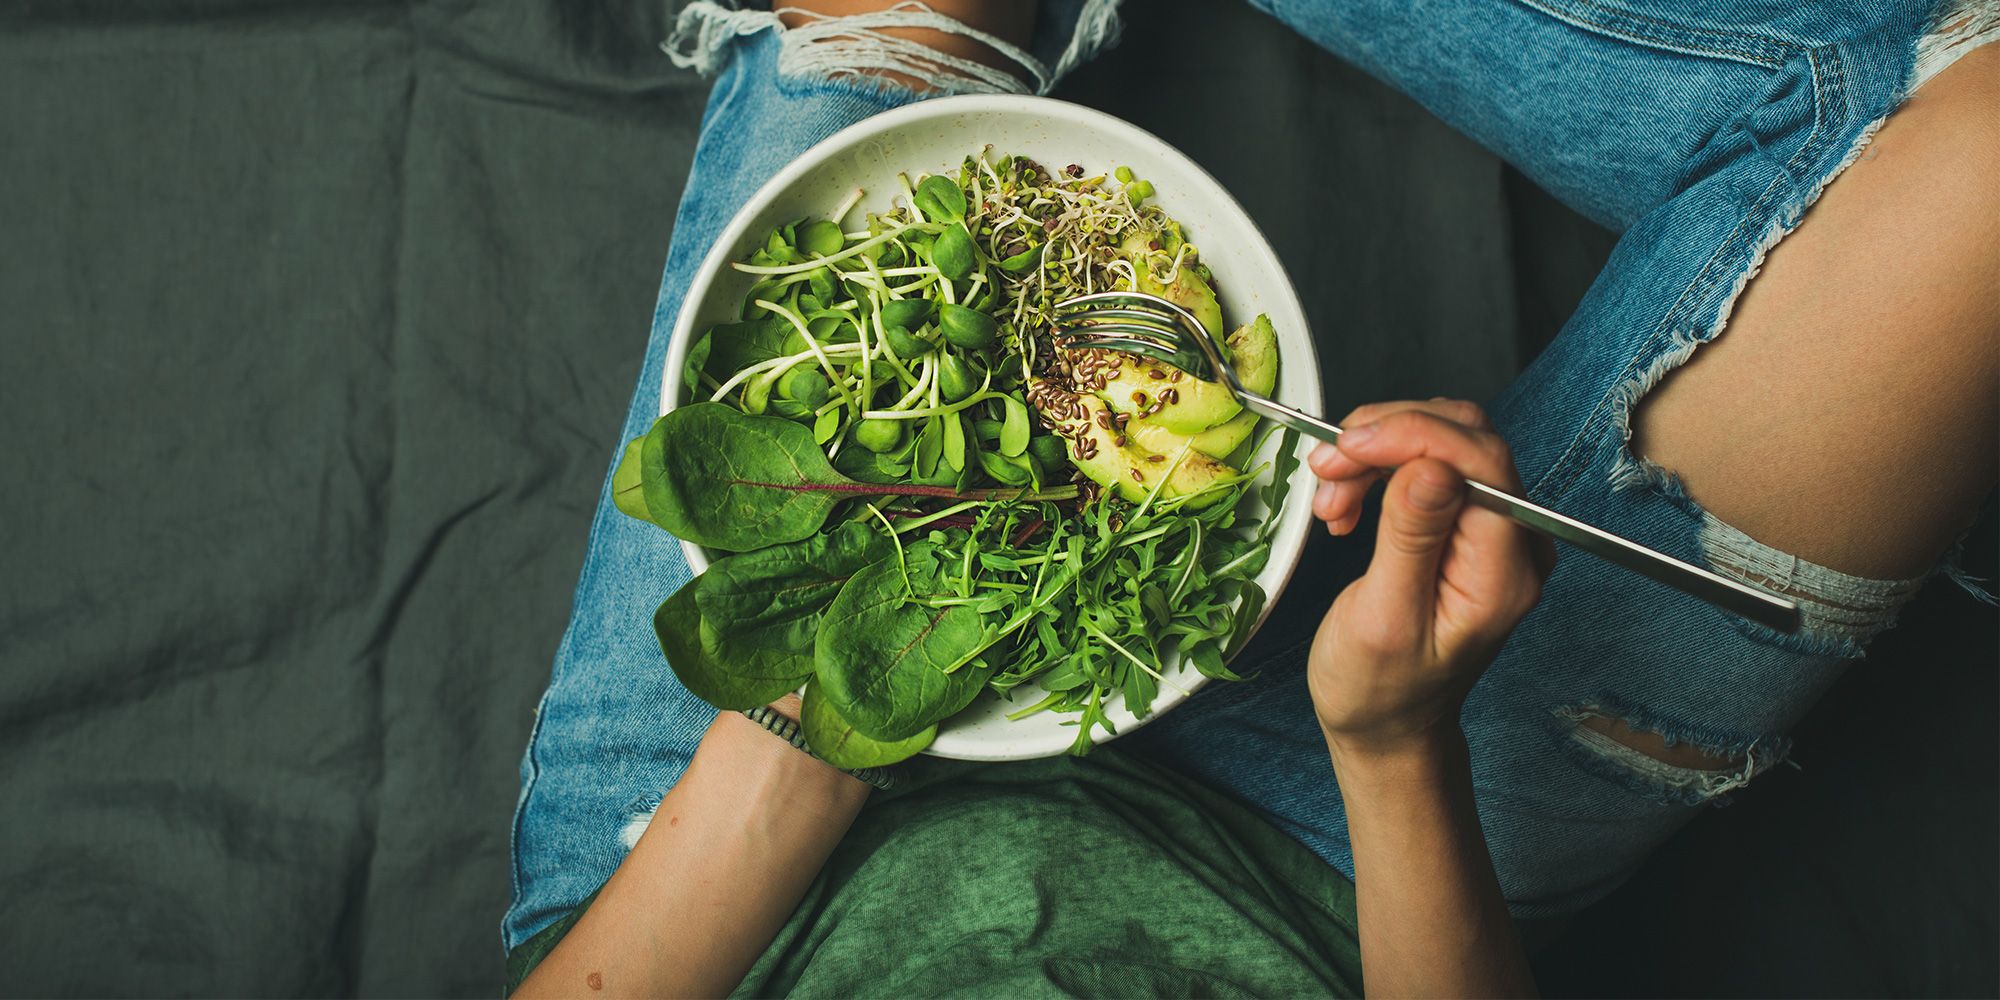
(1389, 670)
(1402, 645)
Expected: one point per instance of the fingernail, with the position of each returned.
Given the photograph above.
(1358, 435)
(1428, 495)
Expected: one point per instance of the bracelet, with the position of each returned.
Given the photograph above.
(788, 730)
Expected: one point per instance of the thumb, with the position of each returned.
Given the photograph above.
(1419, 513)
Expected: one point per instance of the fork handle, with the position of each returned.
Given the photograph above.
(1736, 598)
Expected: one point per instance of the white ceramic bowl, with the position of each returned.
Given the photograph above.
(935, 135)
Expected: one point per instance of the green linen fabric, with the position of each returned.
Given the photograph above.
(1104, 876)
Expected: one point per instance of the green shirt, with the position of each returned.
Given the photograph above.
(1105, 876)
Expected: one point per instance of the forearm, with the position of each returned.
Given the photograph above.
(730, 851)
(1432, 918)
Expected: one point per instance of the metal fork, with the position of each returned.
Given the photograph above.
(1153, 327)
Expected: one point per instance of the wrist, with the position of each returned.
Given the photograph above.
(1429, 756)
(764, 764)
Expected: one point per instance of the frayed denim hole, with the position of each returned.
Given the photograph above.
(638, 816)
(1605, 756)
(1956, 28)
(1840, 613)
(852, 54)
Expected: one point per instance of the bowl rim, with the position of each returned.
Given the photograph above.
(1265, 258)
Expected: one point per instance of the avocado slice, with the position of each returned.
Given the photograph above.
(1195, 405)
(1188, 290)
(1113, 460)
(1253, 352)
(1216, 442)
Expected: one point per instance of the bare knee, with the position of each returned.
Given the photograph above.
(1849, 414)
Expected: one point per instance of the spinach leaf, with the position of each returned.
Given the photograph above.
(837, 742)
(773, 597)
(732, 347)
(726, 675)
(697, 361)
(628, 491)
(727, 480)
(882, 660)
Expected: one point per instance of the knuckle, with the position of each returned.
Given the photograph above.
(1406, 421)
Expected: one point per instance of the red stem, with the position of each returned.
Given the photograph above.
(882, 489)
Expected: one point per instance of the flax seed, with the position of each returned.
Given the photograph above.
(1138, 476)
(1156, 458)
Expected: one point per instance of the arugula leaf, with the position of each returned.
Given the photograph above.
(882, 660)
(1246, 616)
(837, 742)
(1273, 492)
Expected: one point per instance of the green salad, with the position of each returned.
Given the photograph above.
(915, 495)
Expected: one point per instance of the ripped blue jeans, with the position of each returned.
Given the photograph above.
(1702, 137)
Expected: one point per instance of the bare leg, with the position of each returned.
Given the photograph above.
(1848, 414)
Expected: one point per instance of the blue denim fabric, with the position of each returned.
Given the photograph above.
(614, 730)
(1702, 131)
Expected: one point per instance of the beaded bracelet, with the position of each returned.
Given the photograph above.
(788, 730)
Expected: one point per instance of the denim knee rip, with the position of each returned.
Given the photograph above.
(1604, 754)
(1839, 612)
(857, 50)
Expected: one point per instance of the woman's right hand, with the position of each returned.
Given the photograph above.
(1404, 643)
